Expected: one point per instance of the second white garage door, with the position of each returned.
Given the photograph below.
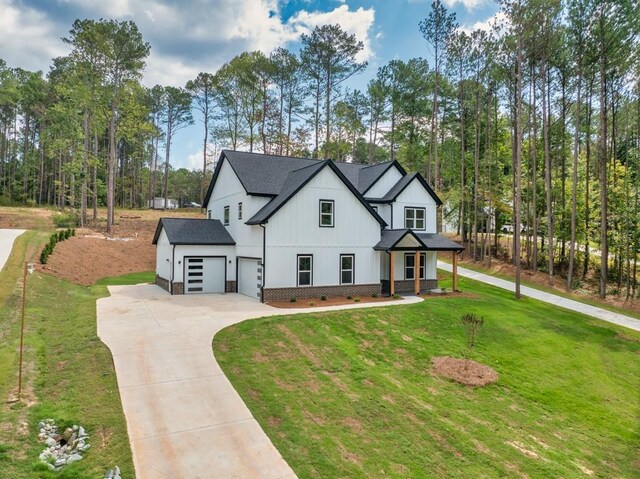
(204, 275)
(249, 277)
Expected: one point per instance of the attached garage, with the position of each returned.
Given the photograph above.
(194, 256)
(249, 277)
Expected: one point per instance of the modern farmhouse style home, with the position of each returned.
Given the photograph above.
(281, 227)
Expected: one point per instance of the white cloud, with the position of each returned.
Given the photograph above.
(28, 39)
(357, 22)
(499, 18)
(467, 4)
(186, 37)
(194, 160)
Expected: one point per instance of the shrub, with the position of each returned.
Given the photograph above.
(61, 236)
(73, 231)
(356, 300)
(323, 298)
(67, 219)
(349, 297)
(374, 295)
(396, 296)
(53, 239)
(472, 325)
(292, 299)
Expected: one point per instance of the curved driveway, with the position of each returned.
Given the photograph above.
(7, 237)
(184, 418)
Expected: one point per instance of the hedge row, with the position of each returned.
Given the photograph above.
(55, 238)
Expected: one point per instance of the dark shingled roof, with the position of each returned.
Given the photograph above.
(185, 231)
(292, 184)
(399, 187)
(295, 181)
(438, 242)
(428, 241)
(265, 175)
(390, 238)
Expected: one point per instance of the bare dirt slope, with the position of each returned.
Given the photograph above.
(93, 254)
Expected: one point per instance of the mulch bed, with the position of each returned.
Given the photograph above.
(336, 301)
(464, 371)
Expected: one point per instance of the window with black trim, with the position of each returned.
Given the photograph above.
(240, 210)
(410, 265)
(326, 213)
(209, 214)
(347, 268)
(305, 270)
(226, 215)
(414, 218)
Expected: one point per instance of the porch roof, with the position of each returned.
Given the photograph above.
(409, 240)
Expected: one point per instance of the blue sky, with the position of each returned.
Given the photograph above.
(189, 36)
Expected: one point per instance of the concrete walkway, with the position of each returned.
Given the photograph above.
(184, 418)
(594, 311)
(7, 237)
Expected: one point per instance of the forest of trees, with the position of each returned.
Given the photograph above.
(535, 124)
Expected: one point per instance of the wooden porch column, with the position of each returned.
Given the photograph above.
(455, 271)
(392, 279)
(416, 273)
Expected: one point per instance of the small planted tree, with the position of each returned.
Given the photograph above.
(472, 325)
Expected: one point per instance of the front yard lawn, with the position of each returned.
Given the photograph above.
(68, 372)
(352, 394)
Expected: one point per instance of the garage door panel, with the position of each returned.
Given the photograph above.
(204, 275)
(249, 277)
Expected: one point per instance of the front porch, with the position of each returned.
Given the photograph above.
(408, 261)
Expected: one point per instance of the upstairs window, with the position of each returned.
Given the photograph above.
(346, 268)
(240, 210)
(226, 216)
(305, 270)
(414, 218)
(209, 214)
(326, 213)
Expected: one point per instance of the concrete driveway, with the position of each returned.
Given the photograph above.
(7, 237)
(184, 418)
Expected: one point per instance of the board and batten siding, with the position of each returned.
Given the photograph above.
(398, 261)
(414, 195)
(164, 254)
(382, 186)
(228, 191)
(295, 230)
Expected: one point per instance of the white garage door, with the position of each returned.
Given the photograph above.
(249, 277)
(204, 275)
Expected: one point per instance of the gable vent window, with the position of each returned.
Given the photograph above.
(226, 216)
(305, 270)
(414, 218)
(240, 210)
(326, 213)
(346, 268)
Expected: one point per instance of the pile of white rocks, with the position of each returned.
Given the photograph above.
(113, 473)
(61, 448)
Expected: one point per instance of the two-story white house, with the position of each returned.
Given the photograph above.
(281, 227)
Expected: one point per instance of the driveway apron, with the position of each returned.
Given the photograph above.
(184, 418)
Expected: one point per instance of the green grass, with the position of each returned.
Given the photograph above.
(69, 373)
(131, 278)
(548, 289)
(351, 393)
